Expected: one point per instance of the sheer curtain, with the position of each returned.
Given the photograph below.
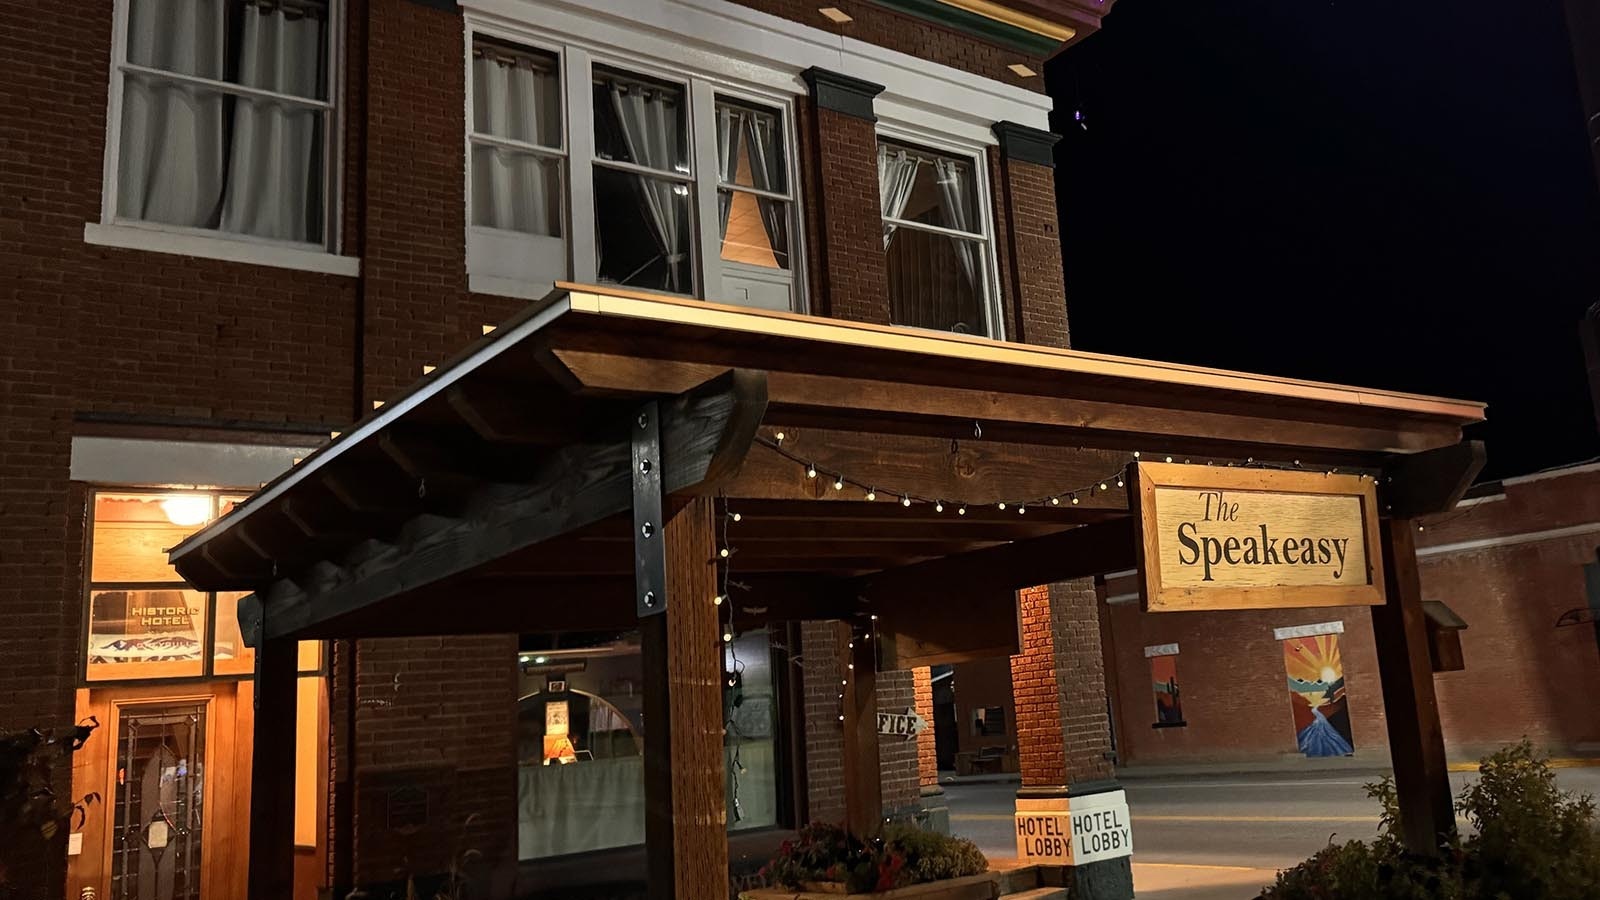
(728, 121)
(199, 157)
(274, 174)
(649, 122)
(955, 184)
(765, 145)
(897, 174)
(512, 99)
(172, 157)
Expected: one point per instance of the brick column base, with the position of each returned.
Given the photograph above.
(935, 814)
(1071, 814)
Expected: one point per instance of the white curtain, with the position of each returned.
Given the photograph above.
(650, 121)
(511, 189)
(897, 174)
(955, 184)
(581, 806)
(728, 120)
(274, 185)
(172, 157)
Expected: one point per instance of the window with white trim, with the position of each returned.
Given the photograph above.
(936, 239)
(605, 171)
(222, 116)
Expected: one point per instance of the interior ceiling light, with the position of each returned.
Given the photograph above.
(1021, 71)
(187, 509)
(835, 15)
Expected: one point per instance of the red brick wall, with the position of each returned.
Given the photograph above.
(1230, 669)
(897, 31)
(897, 758)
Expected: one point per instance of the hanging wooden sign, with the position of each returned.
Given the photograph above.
(1231, 538)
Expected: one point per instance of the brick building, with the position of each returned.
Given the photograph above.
(1516, 562)
(229, 228)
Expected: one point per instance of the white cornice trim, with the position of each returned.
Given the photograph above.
(1509, 540)
(744, 46)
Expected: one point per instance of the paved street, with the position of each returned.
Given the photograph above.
(1215, 837)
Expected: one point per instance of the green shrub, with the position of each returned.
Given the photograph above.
(901, 856)
(1529, 841)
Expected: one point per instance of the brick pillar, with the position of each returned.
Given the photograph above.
(434, 716)
(898, 762)
(935, 810)
(821, 673)
(1064, 737)
(842, 195)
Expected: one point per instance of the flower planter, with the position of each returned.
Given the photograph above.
(973, 887)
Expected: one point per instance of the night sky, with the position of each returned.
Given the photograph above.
(1392, 195)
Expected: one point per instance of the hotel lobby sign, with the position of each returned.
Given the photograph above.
(1245, 538)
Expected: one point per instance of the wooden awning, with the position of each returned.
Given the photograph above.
(495, 493)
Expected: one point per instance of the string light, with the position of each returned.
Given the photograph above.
(1169, 459)
(779, 437)
(717, 600)
(1021, 510)
(1074, 499)
(961, 511)
(872, 494)
(905, 500)
(838, 484)
(811, 471)
(1103, 486)
(1055, 501)
(1002, 504)
(938, 506)
(724, 553)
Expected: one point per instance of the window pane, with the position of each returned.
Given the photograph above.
(643, 231)
(232, 657)
(516, 191)
(132, 533)
(199, 158)
(516, 93)
(146, 634)
(640, 120)
(310, 656)
(750, 148)
(922, 186)
(755, 230)
(275, 45)
(936, 281)
(750, 748)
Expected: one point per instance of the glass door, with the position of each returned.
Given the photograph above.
(156, 836)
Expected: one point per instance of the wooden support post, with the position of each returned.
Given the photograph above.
(1416, 740)
(272, 773)
(863, 786)
(686, 828)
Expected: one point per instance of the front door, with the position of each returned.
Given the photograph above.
(172, 768)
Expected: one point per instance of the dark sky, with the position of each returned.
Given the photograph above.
(1392, 195)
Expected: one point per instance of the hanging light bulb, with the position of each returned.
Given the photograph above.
(1102, 485)
(779, 437)
(838, 484)
(1169, 459)
(1074, 499)
(1119, 481)
(1055, 501)
(727, 637)
(1002, 504)
(723, 553)
(905, 500)
(736, 517)
(961, 511)
(1135, 454)
(872, 494)
(811, 470)
(1021, 510)
(717, 600)
(938, 506)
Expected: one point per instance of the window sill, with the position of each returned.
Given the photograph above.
(509, 287)
(134, 237)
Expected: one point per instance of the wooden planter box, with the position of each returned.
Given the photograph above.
(973, 887)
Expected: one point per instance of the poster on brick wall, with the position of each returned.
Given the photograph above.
(1317, 695)
(1164, 682)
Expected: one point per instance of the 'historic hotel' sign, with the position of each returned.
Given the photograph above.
(1231, 538)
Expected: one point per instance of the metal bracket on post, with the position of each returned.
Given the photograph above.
(649, 523)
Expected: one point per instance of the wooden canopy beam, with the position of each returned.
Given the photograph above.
(705, 435)
(1116, 419)
(1077, 553)
(1424, 484)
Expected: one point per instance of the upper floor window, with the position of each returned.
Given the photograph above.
(598, 171)
(222, 115)
(936, 239)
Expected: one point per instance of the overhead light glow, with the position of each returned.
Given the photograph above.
(187, 509)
